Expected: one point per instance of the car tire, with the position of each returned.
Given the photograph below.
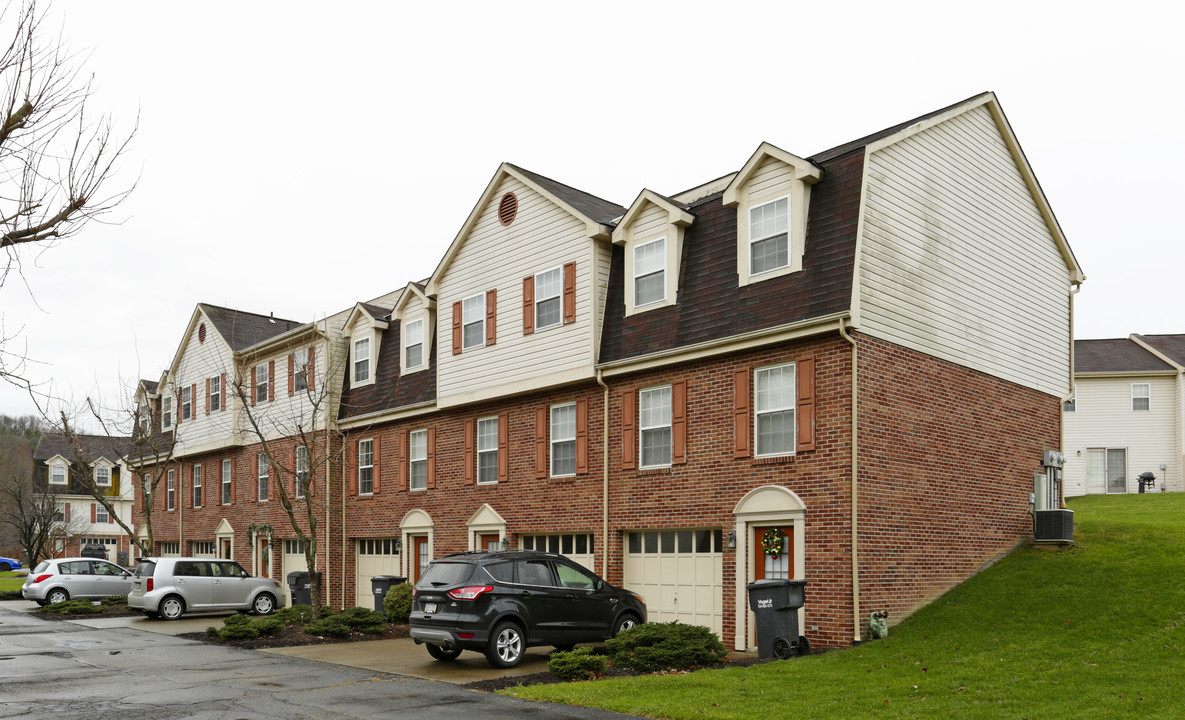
(625, 622)
(264, 604)
(41, 603)
(506, 646)
(151, 614)
(172, 607)
(5, 567)
(443, 654)
(56, 595)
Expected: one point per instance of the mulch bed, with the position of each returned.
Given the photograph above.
(292, 636)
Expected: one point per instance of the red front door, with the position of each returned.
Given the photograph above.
(419, 558)
(770, 566)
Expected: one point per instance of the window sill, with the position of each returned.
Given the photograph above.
(773, 459)
(664, 470)
(488, 483)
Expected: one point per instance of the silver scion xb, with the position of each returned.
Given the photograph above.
(61, 579)
(169, 587)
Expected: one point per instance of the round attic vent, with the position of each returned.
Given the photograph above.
(202, 333)
(507, 209)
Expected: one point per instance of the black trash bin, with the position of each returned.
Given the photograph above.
(380, 585)
(121, 558)
(775, 606)
(300, 587)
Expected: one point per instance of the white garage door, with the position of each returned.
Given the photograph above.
(375, 556)
(577, 547)
(293, 561)
(680, 573)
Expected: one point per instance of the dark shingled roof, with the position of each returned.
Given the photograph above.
(389, 389)
(377, 312)
(94, 446)
(1115, 355)
(1171, 346)
(243, 329)
(149, 385)
(592, 206)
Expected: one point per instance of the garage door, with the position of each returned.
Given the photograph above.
(375, 556)
(577, 547)
(293, 561)
(680, 573)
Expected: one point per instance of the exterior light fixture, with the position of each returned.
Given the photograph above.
(505, 543)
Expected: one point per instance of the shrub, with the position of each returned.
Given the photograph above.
(267, 626)
(72, 607)
(578, 664)
(328, 627)
(234, 620)
(295, 615)
(111, 600)
(239, 631)
(212, 631)
(651, 647)
(397, 603)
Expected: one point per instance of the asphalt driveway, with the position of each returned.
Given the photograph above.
(61, 669)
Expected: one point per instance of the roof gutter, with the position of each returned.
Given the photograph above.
(604, 476)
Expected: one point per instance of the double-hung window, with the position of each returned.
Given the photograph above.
(170, 490)
(226, 479)
(769, 237)
(549, 287)
(1141, 396)
(261, 383)
(473, 321)
(215, 393)
(650, 270)
(413, 345)
(654, 421)
(102, 517)
(197, 486)
(264, 478)
(362, 360)
(774, 410)
(302, 471)
(365, 467)
(300, 372)
(487, 450)
(186, 402)
(563, 440)
(145, 420)
(417, 459)
(57, 475)
(166, 413)
(103, 476)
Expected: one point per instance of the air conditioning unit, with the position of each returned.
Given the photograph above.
(1053, 526)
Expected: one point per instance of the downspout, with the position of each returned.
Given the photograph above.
(856, 624)
(1073, 390)
(604, 476)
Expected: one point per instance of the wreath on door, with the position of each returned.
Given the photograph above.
(771, 542)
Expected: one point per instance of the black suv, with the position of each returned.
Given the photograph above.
(501, 603)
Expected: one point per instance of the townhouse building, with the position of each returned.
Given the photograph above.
(844, 368)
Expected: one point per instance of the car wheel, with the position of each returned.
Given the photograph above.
(624, 623)
(56, 595)
(41, 603)
(264, 604)
(505, 649)
(172, 607)
(443, 654)
(5, 567)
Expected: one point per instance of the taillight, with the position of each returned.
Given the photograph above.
(414, 591)
(39, 578)
(469, 593)
(148, 585)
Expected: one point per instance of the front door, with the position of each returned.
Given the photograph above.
(489, 542)
(1116, 471)
(773, 566)
(264, 557)
(224, 548)
(419, 557)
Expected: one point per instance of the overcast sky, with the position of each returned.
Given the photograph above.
(297, 157)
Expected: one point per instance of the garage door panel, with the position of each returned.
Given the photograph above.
(372, 556)
(679, 573)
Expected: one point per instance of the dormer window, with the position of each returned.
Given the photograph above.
(361, 360)
(166, 413)
(57, 475)
(103, 476)
(413, 345)
(650, 265)
(145, 420)
(769, 240)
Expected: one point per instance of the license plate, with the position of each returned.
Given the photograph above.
(429, 607)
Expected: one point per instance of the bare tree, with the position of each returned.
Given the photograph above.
(57, 161)
(34, 514)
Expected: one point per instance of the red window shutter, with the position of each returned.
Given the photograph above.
(401, 458)
(222, 393)
(457, 328)
(254, 380)
(271, 380)
(491, 317)
(93, 512)
(679, 422)
(431, 457)
(570, 293)
(193, 401)
(581, 437)
(207, 396)
(110, 518)
(66, 512)
(291, 373)
(528, 305)
(374, 461)
(541, 442)
(741, 415)
(629, 438)
(470, 461)
(352, 466)
(312, 367)
(804, 411)
(503, 447)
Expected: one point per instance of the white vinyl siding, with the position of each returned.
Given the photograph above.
(494, 256)
(955, 260)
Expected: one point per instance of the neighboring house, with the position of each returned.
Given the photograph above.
(1125, 417)
(856, 358)
(76, 480)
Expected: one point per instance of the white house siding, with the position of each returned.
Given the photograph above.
(1103, 418)
(772, 178)
(603, 260)
(956, 260)
(650, 224)
(280, 416)
(198, 362)
(493, 256)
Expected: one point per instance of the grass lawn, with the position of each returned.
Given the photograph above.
(1095, 631)
(11, 581)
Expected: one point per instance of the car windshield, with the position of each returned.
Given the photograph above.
(145, 568)
(446, 573)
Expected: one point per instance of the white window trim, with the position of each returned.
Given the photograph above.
(186, 390)
(64, 467)
(170, 490)
(423, 346)
(559, 296)
(215, 393)
(166, 412)
(412, 459)
(669, 425)
(197, 486)
(263, 474)
(266, 382)
(794, 406)
(1147, 397)
(354, 360)
(300, 370)
(100, 508)
(634, 272)
(481, 319)
(750, 241)
(552, 440)
(478, 451)
(226, 482)
(370, 451)
(102, 465)
(302, 459)
(797, 182)
(1070, 404)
